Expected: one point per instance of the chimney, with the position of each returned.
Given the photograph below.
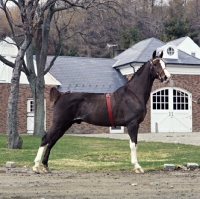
(117, 52)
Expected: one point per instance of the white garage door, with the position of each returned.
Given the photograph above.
(171, 110)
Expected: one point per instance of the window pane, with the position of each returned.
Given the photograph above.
(174, 106)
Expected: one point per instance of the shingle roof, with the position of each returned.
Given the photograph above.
(81, 74)
(183, 59)
(140, 52)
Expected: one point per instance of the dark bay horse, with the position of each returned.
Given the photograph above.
(128, 109)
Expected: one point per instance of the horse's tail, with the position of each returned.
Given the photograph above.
(54, 95)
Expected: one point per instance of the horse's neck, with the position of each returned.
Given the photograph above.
(141, 84)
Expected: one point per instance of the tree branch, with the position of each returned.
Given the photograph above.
(5, 61)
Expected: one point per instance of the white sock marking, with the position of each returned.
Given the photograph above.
(39, 156)
(134, 160)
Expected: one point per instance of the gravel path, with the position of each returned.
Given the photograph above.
(184, 138)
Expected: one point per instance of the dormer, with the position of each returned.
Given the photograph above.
(170, 51)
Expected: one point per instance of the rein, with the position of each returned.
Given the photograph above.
(109, 109)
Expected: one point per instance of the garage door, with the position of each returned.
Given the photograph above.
(171, 110)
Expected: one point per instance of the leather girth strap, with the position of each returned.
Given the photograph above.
(109, 109)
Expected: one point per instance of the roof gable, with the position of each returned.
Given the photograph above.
(187, 45)
(140, 52)
(8, 47)
(178, 41)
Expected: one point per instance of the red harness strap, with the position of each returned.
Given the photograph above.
(109, 109)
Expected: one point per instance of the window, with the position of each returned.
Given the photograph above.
(170, 51)
(193, 54)
(117, 129)
(161, 100)
(180, 100)
(30, 105)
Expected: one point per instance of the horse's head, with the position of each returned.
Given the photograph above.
(158, 68)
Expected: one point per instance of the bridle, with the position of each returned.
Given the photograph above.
(152, 65)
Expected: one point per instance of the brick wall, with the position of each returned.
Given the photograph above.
(5, 89)
(24, 94)
(191, 83)
(85, 128)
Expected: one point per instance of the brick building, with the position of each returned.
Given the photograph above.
(171, 108)
(25, 105)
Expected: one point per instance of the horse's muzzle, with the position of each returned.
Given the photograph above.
(165, 80)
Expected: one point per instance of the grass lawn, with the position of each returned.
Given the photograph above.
(92, 154)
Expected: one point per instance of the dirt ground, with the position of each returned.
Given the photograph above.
(24, 184)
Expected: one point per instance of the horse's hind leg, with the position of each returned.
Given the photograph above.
(48, 149)
(57, 135)
(38, 157)
(48, 140)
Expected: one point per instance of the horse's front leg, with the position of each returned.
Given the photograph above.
(134, 161)
(133, 131)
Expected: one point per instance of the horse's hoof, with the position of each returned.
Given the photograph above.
(139, 170)
(46, 170)
(36, 169)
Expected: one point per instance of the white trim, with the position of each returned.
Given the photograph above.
(121, 130)
(183, 70)
(172, 69)
(127, 70)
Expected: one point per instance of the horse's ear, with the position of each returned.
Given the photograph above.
(154, 54)
(161, 54)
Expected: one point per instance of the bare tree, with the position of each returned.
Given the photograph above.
(34, 24)
(14, 140)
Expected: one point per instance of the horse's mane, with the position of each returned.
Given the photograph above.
(138, 72)
(55, 94)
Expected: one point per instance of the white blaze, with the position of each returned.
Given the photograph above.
(162, 63)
